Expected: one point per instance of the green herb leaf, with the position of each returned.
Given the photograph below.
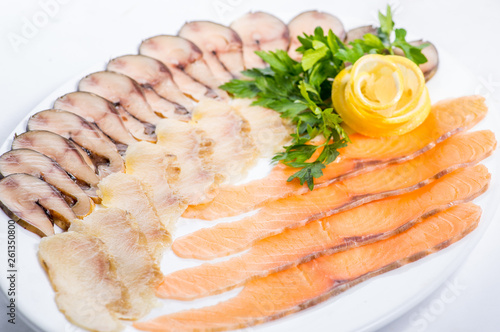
(308, 173)
(329, 154)
(414, 53)
(386, 22)
(351, 55)
(301, 91)
(280, 61)
(371, 44)
(241, 89)
(297, 153)
(312, 56)
(334, 43)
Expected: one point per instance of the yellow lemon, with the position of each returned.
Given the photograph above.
(381, 95)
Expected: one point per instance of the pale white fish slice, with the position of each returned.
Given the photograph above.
(270, 132)
(126, 192)
(135, 266)
(84, 279)
(234, 150)
(157, 168)
(192, 147)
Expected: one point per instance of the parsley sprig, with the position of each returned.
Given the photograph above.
(384, 42)
(301, 91)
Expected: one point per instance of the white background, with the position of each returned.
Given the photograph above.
(79, 34)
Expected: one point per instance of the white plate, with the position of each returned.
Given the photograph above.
(365, 307)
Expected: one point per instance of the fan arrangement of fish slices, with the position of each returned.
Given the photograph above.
(105, 175)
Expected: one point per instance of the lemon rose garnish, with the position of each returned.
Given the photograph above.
(381, 95)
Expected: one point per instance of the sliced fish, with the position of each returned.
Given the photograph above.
(150, 72)
(156, 168)
(126, 192)
(192, 148)
(303, 286)
(163, 107)
(34, 204)
(230, 133)
(295, 211)
(134, 264)
(71, 126)
(365, 224)
(99, 111)
(221, 46)
(67, 154)
(142, 131)
(260, 31)
(36, 164)
(270, 132)
(185, 61)
(363, 154)
(120, 90)
(84, 279)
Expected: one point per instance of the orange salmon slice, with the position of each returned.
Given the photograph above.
(295, 211)
(305, 285)
(364, 154)
(365, 224)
